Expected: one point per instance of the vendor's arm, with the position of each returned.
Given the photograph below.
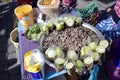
(110, 8)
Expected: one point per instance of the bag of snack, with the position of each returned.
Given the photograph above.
(34, 63)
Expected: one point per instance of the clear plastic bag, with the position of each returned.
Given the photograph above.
(50, 10)
(34, 62)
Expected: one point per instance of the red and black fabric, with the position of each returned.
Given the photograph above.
(92, 19)
(20, 2)
(67, 5)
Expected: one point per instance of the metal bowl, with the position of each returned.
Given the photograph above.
(86, 25)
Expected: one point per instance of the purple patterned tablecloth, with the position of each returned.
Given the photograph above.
(26, 45)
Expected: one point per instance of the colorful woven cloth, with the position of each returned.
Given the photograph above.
(117, 8)
(92, 19)
(113, 64)
(66, 2)
(106, 25)
(88, 10)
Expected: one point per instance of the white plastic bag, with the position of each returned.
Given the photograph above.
(49, 10)
(41, 59)
(34, 62)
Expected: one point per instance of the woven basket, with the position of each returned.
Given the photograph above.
(14, 36)
(49, 10)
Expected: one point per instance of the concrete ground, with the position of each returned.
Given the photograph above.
(9, 66)
(9, 56)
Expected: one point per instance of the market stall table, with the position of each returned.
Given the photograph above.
(26, 45)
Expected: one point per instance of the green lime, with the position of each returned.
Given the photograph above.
(51, 54)
(79, 64)
(104, 43)
(69, 65)
(100, 49)
(59, 26)
(59, 61)
(58, 51)
(88, 60)
(95, 56)
(85, 50)
(92, 45)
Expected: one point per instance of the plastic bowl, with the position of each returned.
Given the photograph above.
(37, 35)
(14, 37)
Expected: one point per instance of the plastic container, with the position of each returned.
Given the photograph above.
(24, 14)
(34, 63)
(37, 35)
(14, 37)
(49, 10)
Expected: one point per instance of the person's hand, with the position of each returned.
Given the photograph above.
(108, 10)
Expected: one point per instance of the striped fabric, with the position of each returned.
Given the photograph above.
(106, 25)
(117, 8)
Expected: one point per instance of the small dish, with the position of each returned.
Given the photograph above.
(33, 32)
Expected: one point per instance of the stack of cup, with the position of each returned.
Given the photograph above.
(24, 14)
